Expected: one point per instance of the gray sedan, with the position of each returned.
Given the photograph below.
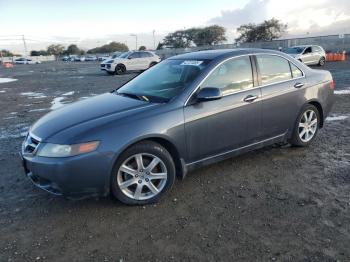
(188, 111)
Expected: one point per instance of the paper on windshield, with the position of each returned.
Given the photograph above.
(192, 62)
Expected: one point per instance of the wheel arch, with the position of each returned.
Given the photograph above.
(120, 64)
(180, 166)
(318, 105)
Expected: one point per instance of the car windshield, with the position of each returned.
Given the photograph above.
(294, 50)
(125, 55)
(164, 81)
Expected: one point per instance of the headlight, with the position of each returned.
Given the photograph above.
(55, 150)
(109, 62)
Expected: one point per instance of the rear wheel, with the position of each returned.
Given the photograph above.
(306, 126)
(322, 61)
(142, 174)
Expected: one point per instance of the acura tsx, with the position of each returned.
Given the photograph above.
(188, 111)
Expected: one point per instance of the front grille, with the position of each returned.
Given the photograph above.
(30, 145)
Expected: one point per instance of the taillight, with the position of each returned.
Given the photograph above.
(331, 84)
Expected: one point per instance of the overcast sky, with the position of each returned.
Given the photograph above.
(90, 23)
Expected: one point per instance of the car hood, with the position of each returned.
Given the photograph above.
(83, 111)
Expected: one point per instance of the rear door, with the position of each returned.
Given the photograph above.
(145, 60)
(216, 127)
(282, 93)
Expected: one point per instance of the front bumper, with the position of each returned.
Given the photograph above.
(75, 177)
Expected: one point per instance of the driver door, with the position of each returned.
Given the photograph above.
(307, 56)
(134, 62)
(234, 121)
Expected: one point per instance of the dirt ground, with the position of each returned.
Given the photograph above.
(274, 204)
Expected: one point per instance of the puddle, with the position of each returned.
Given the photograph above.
(68, 93)
(336, 118)
(15, 131)
(33, 95)
(7, 80)
(56, 103)
(342, 92)
(38, 110)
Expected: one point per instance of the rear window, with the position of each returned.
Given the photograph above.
(273, 69)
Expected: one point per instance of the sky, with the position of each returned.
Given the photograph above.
(91, 23)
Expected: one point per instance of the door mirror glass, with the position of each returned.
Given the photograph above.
(209, 94)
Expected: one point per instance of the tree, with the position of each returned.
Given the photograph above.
(160, 46)
(55, 50)
(5, 52)
(266, 31)
(38, 53)
(178, 39)
(211, 35)
(109, 48)
(142, 48)
(73, 50)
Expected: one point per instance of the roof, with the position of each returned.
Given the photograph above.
(220, 53)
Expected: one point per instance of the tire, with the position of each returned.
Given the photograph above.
(322, 61)
(120, 69)
(134, 183)
(306, 126)
(152, 64)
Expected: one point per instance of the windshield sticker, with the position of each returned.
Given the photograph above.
(191, 62)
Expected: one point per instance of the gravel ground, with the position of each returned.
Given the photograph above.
(274, 204)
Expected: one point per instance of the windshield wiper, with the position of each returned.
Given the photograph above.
(134, 96)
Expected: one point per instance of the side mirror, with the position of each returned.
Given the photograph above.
(129, 57)
(209, 94)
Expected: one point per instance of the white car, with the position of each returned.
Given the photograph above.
(130, 61)
(26, 61)
(308, 54)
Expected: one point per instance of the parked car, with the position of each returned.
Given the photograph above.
(90, 58)
(65, 58)
(109, 60)
(79, 58)
(308, 54)
(130, 61)
(185, 112)
(102, 58)
(26, 61)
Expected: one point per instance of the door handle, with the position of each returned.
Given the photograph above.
(298, 85)
(250, 98)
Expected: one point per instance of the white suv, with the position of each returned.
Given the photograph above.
(130, 61)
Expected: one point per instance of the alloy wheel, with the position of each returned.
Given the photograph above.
(307, 126)
(142, 176)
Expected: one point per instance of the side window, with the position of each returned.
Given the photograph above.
(316, 49)
(143, 54)
(273, 69)
(307, 50)
(135, 55)
(296, 72)
(233, 75)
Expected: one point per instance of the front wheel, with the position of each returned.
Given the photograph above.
(306, 126)
(120, 69)
(142, 174)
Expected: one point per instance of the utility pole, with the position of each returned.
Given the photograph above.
(135, 39)
(25, 46)
(154, 40)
